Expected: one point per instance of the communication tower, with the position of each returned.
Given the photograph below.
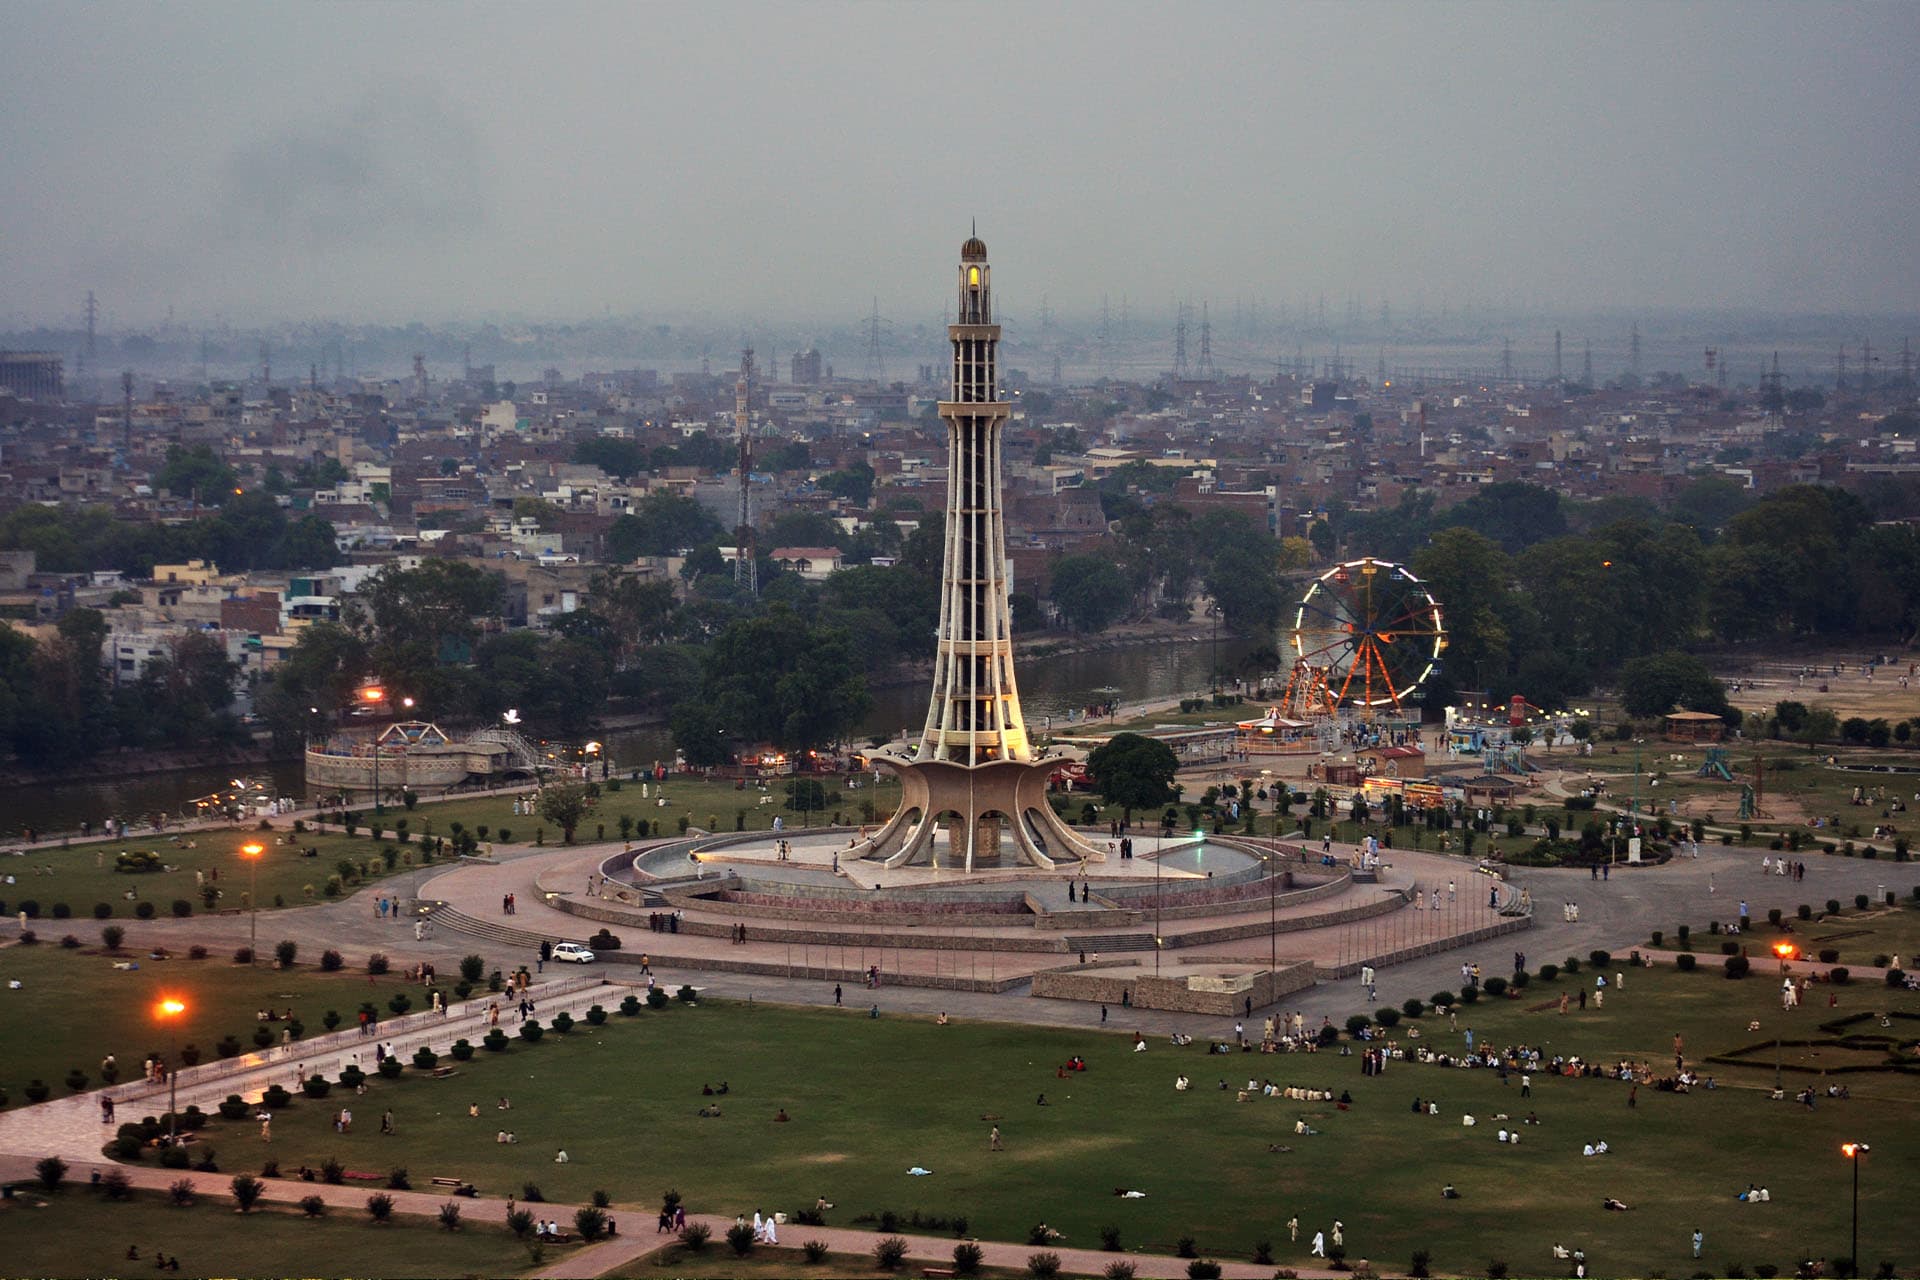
(1205, 368)
(746, 561)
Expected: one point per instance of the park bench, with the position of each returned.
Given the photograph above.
(932, 1273)
(448, 1182)
(441, 1073)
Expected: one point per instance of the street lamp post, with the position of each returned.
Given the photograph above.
(252, 851)
(1853, 1151)
(169, 1011)
(372, 695)
(1786, 951)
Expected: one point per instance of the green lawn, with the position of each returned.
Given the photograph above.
(84, 875)
(718, 805)
(73, 1008)
(869, 1099)
(1861, 937)
(717, 1259)
(76, 1233)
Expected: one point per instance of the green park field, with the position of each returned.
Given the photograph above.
(73, 1007)
(74, 1232)
(870, 1099)
(85, 875)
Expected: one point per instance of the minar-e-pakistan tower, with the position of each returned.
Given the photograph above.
(974, 772)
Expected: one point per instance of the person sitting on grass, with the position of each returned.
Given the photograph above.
(1614, 1206)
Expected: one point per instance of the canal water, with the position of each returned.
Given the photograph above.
(1049, 687)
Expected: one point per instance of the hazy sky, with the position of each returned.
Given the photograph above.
(256, 161)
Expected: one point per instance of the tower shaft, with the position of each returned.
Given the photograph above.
(974, 714)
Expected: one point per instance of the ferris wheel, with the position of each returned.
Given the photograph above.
(1374, 629)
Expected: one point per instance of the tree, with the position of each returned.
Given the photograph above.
(1090, 592)
(564, 804)
(196, 474)
(1134, 772)
(661, 524)
(855, 484)
(616, 457)
(1655, 685)
(776, 678)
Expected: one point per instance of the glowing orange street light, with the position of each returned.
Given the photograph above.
(169, 1011)
(1785, 950)
(251, 851)
(372, 696)
(1853, 1151)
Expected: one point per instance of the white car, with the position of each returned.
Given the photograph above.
(572, 951)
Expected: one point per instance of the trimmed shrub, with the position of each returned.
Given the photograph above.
(596, 1015)
(330, 961)
(658, 998)
(531, 1031)
(377, 963)
(1685, 962)
(449, 1216)
(740, 1239)
(630, 1007)
(1388, 1017)
(815, 1251)
(1200, 1269)
(380, 1206)
(284, 952)
(1186, 1247)
(1521, 978)
(1118, 1271)
(686, 995)
(1044, 1265)
(461, 1050)
(889, 1253)
(315, 1086)
(425, 1059)
(495, 1041)
(1413, 1007)
(113, 935)
(1469, 994)
(246, 1190)
(1804, 911)
(1829, 955)
(1549, 972)
(1737, 966)
(563, 1022)
(1442, 999)
(1496, 986)
(397, 1179)
(967, 1258)
(694, 1237)
(313, 1206)
(1839, 974)
(1600, 959)
(591, 1223)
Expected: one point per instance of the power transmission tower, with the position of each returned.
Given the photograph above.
(1106, 339)
(1205, 369)
(126, 409)
(1840, 370)
(1866, 365)
(1772, 393)
(266, 365)
(1506, 359)
(1180, 342)
(876, 363)
(1633, 351)
(746, 561)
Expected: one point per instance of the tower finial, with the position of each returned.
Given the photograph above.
(976, 227)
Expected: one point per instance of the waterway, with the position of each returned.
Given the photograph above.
(1051, 688)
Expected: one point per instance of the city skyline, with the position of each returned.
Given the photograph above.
(1578, 158)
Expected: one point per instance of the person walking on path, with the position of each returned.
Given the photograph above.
(836, 995)
(1293, 1229)
(1319, 1249)
(993, 1139)
(1699, 1239)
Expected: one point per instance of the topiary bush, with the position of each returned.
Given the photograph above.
(740, 1239)
(1413, 1007)
(1737, 966)
(967, 1258)
(1549, 972)
(1685, 962)
(331, 961)
(380, 1206)
(1839, 974)
(1496, 986)
(694, 1236)
(1469, 995)
(1388, 1016)
(1044, 1265)
(531, 1031)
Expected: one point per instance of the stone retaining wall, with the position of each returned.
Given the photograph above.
(1174, 994)
(930, 941)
